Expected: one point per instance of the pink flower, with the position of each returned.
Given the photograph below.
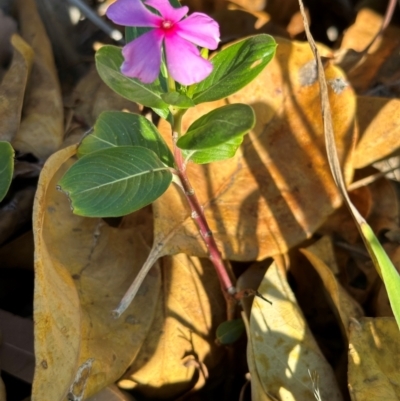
(178, 34)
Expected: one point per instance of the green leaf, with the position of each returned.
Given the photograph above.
(218, 134)
(131, 33)
(230, 331)
(235, 67)
(177, 99)
(6, 167)
(108, 63)
(113, 182)
(116, 128)
(386, 268)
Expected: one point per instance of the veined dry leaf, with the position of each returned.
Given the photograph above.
(181, 342)
(41, 129)
(278, 189)
(12, 88)
(83, 266)
(281, 350)
(374, 360)
(321, 256)
(379, 123)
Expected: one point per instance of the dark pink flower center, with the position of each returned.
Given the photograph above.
(166, 24)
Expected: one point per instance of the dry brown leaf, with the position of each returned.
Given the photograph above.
(250, 5)
(92, 96)
(83, 266)
(341, 222)
(384, 214)
(8, 27)
(235, 24)
(41, 129)
(356, 38)
(12, 88)
(16, 346)
(18, 253)
(16, 212)
(374, 360)
(112, 393)
(2, 391)
(278, 189)
(181, 342)
(379, 122)
(321, 256)
(282, 352)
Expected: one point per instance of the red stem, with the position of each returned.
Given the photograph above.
(201, 221)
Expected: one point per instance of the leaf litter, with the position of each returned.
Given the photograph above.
(276, 195)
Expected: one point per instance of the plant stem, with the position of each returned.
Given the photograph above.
(198, 213)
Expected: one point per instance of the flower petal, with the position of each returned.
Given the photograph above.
(184, 62)
(143, 57)
(167, 11)
(132, 13)
(199, 29)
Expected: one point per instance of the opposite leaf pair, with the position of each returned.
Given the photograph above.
(125, 164)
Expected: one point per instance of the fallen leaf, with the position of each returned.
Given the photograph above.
(15, 212)
(374, 360)
(181, 341)
(112, 393)
(278, 189)
(8, 27)
(2, 391)
(321, 256)
(41, 130)
(18, 253)
(92, 96)
(282, 352)
(379, 122)
(83, 267)
(12, 88)
(362, 73)
(16, 346)
(235, 24)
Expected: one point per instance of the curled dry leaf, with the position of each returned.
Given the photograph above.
(180, 346)
(12, 88)
(278, 189)
(281, 350)
(41, 129)
(83, 267)
(374, 360)
(321, 256)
